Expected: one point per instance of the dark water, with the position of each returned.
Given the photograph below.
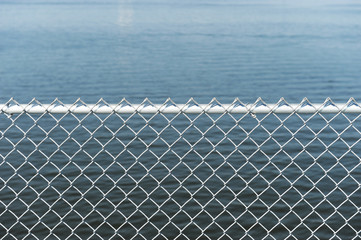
(216, 176)
(109, 177)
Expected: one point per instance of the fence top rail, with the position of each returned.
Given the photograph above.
(191, 107)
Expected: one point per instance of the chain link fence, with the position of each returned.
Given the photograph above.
(180, 171)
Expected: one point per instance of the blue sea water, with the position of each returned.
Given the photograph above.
(103, 176)
(180, 49)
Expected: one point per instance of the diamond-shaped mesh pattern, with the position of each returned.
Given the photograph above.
(191, 171)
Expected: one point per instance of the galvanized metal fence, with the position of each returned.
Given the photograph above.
(180, 171)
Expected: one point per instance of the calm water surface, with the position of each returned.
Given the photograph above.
(160, 49)
(61, 178)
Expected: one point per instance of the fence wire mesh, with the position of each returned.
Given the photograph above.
(170, 171)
